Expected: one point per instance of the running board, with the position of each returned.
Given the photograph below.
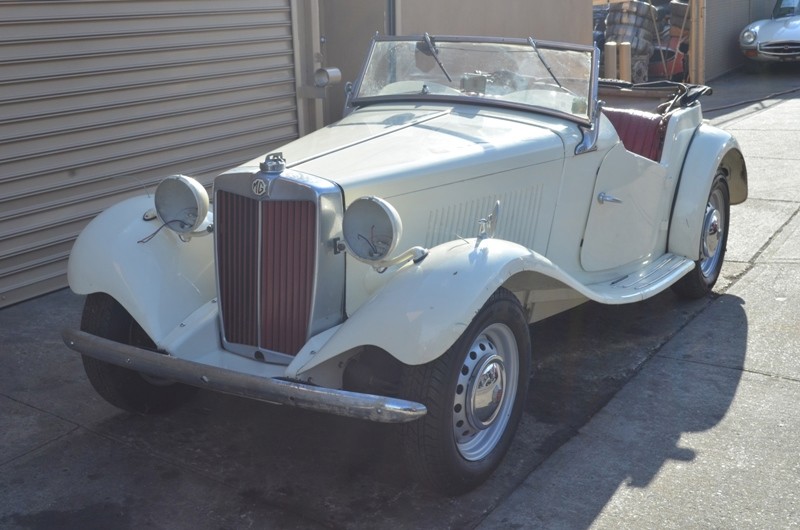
(647, 282)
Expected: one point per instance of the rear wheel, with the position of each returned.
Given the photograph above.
(126, 389)
(713, 240)
(475, 395)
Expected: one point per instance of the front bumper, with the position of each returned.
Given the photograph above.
(271, 390)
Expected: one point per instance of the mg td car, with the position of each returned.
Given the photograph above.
(387, 266)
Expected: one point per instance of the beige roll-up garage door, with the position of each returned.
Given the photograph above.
(100, 99)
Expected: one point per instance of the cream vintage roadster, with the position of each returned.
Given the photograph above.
(387, 266)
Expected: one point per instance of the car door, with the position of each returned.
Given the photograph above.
(627, 217)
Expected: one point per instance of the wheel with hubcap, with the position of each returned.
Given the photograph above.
(713, 241)
(126, 389)
(475, 395)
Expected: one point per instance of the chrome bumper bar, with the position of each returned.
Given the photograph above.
(278, 391)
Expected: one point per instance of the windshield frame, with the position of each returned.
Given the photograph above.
(356, 100)
(777, 10)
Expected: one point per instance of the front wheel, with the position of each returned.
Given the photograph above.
(475, 395)
(714, 238)
(126, 389)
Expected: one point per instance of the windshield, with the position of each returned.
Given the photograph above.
(785, 8)
(514, 73)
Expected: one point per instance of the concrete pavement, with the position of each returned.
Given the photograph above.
(706, 434)
(703, 436)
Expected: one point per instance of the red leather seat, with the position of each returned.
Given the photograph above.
(640, 132)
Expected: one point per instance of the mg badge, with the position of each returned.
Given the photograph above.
(259, 187)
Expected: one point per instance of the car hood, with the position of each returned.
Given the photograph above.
(386, 149)
(776, 30)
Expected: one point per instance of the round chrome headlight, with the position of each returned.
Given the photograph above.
(748, 37)
(181, 203)
(371, 229)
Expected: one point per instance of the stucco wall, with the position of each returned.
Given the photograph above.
(724, 20)
(348, 25)
(559, 20)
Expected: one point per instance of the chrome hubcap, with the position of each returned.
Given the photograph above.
(485, 391)
(713, 234)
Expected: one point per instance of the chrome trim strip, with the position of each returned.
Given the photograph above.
(592, 132)
(271, 390)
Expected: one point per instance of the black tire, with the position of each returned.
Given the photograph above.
(638, 46)
(699, 282)
(681, 23)
(616, 18)
(679, 10)
(641, 40)
(635, 7)
(628, 33)
(126, 389)
(640, 71)
(457, 445)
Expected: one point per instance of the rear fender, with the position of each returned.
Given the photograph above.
(159, 282)
(711, 149)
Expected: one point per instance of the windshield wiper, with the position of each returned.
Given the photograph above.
(435, 53)
(541, 58)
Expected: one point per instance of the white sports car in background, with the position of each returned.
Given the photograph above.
(776, 39)
(387, 266)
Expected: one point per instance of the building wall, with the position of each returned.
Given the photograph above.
(723, 21)
(347, 26)
(559, 20)
(101, 99)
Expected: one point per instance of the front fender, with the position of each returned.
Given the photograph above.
(710, 149)
(159, 282)
(420, 312)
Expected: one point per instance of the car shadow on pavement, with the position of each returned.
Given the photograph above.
(276, 465)
(349, 473)
(687, 387)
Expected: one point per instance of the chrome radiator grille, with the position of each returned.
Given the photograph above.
(781, 49)
(266, 255)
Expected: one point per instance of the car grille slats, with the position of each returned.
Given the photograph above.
(236, 230)
(287, 254)
(781, 49)
(265, 267)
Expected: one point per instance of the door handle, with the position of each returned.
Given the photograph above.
(603, 198)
